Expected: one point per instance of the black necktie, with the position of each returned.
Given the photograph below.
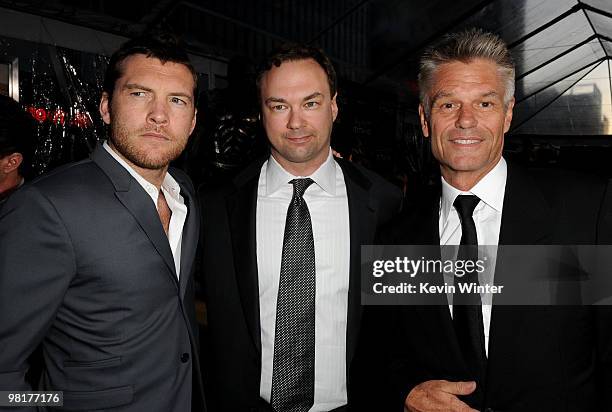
(467, 310)
(294, 349)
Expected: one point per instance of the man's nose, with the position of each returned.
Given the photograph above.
(466, 118)
(295, 120)
(158, 112)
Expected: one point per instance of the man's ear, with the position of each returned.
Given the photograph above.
(193, 121)
(11, 162)
(105, 108)
(334, 107)
(508, 115)
(423, 118)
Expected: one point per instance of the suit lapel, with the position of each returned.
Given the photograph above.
(191, 231)
(362, 225)
(436, 320)
(242, 212)
(138, 203)
(526, 220)
(526, 217)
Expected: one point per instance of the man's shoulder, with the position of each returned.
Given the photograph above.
(385, 197)
(226, 185)
(417, 219)
(572, 203)
(69, 188)
(557, 174)
(80, 175)
(556, 183)
(367, 178)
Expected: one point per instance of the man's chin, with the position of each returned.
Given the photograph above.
(153, 164)
(150, 162)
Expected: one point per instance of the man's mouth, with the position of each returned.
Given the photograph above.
(155, 135)
(466, 141)
(300, 138)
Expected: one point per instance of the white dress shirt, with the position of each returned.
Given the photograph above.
(176, 203)
(328, 205)
(487, 217)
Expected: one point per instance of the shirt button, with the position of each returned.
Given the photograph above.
(185, 357)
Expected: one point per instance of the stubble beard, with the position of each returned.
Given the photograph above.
(125, 141)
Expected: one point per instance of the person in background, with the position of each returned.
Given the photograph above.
(17, 131)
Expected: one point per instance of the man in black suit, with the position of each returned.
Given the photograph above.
(283, 292)
(96, 256)
(489, 358)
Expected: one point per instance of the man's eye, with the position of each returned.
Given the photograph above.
(447, 106)
(137, 94)
(278, 107)
(178, 101)
(486, 105)
(311, 105)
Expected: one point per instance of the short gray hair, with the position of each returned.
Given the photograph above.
(465, 46)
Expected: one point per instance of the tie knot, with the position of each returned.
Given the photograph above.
(465, 205)
(300, 186)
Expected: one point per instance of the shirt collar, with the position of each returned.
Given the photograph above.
(490, 189)
(324, 176)
(170, 185)
(5, 195)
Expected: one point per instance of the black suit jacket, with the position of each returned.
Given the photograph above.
(542, 358)
(86, 270)
(231, 284)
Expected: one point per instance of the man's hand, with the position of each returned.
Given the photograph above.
(439, 396)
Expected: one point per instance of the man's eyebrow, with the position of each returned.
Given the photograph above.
(275, 100)
(440, 95)
(443, 94)
(312, 96)
(281, 100)
(132, 86)
(492, 93)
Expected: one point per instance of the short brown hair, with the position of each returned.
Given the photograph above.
(294, 52)
(161, 45)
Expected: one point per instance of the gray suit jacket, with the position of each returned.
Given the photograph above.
(86, 270)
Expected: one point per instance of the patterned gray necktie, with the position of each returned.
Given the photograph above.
(294, 340)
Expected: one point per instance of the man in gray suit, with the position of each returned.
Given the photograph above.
(96, 257)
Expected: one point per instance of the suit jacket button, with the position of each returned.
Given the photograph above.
(185, 357)
(489, 410)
